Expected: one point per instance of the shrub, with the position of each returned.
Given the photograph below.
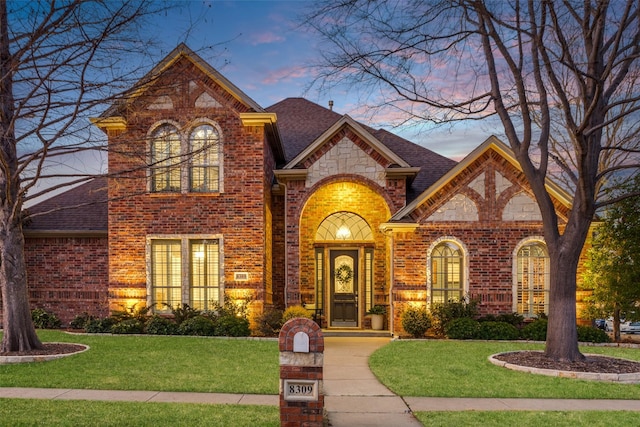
(99, 326)
(81, 320)
(497, 331)
(232, 326)
(591, 334)
(128, 326)
(42, 319)
(462, 328)
(199, 326)
(269, 322)
(444, 313)
(140, 313)
(295, 311)
(183, 312)
(514, 319)
(416, 321)
(158, 325)
(536, 330)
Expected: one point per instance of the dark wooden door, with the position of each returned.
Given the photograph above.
(344, 287)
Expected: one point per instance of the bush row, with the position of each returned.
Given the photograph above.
(228, 320)
(458, 320)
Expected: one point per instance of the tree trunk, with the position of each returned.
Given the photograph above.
(19, 333)
(562, 331)
(616, 325)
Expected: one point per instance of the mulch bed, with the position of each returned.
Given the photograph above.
(597, 364)
(49, 349)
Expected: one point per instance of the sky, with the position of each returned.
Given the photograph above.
(263, 48)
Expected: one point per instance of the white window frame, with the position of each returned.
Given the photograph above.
(185, 246)
(526, 242)
(464, 267)
(184, 133)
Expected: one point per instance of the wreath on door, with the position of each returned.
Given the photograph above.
(344, 274)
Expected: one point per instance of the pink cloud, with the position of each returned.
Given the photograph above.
(284, 74)
(266, 38)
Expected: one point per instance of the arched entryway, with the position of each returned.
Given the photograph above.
(345, 240)
(342, 254)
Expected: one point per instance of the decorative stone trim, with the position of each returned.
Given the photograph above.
(633, 378)
(4, 360)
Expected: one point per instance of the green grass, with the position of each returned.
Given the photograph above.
(461, 369)
(528, 418)
(23, 412)
(160, 363)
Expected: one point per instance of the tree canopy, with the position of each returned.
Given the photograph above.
(561, 77)
(613, 269)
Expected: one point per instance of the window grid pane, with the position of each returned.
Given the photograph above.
(166, 274)
(319, 278)
(165, 160)
(205, 274)
(446, 273)
(204, 170)
(533, 278)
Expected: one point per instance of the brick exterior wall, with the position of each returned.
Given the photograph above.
(68, 275)
(239, 214)
(486, 192)
(341, 188)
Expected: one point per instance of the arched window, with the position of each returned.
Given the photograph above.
(165, 159)
(447, 267)
(531, 296)
(204, 169)
(344, 226)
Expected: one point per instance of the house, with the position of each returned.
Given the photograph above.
(211, 196)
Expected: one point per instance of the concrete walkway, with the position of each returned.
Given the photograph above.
(353, 396)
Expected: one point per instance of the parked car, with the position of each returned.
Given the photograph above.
(601, 324)
(626, 327)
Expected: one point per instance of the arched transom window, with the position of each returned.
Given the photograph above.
(344, 226)
(447, 266)
(532, 279)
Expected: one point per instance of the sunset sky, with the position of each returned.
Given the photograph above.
(264, 49)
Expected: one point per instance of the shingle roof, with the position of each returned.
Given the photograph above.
(301, 121)
(89, 215)
(432, 165)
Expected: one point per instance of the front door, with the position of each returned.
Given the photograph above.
(344, 287)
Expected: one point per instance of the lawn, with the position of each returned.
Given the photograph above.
(162, 363)
(528, 418)
(461, 369)
(409, 368)
(51, 413)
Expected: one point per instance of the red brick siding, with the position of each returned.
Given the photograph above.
(238, 213)
(68, 276)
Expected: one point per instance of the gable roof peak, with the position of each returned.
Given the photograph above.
(179, 52)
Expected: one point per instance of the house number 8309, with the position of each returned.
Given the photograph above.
(301, 389)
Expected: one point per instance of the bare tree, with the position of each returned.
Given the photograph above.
(59, 62)
(561, 76)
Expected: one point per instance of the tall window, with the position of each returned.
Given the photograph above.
(166, 274)
(204, 165)
(205, 274)
(171, 287)
(532, 279)
(447, 263)
(165, 159)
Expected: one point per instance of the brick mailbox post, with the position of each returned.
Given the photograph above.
(301, 360)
